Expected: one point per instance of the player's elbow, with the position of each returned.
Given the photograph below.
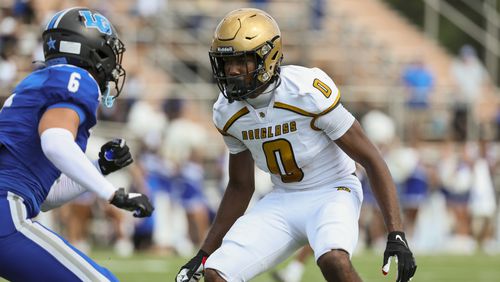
(367, 164)
(375, 166)
(50, 150)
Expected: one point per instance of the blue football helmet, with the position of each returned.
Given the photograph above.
(85, 38)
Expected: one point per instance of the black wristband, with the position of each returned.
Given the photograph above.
(202, 253)
(392, 235)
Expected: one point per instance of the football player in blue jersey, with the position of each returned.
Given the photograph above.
(44, 127)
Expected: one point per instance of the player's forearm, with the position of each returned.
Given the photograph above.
(59, 147)
(385, 192)
(62, 191)
(233, 205)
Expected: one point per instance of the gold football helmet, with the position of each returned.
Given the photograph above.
(246, 34)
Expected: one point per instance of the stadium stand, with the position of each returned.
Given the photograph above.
(364, 45)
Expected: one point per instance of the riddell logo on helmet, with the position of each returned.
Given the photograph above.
(225, 49)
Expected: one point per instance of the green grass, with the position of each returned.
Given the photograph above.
(477, 268)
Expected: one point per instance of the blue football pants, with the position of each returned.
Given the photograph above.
(31, 252)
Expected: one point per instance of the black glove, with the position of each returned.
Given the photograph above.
(193, 270)
(398, 246)
(113, 156)
(138, 203)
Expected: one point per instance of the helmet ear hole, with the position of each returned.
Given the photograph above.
(101, 54)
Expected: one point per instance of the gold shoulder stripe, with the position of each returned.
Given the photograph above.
(333, 106)
(294, 109)
(222, 131)
(236, 116)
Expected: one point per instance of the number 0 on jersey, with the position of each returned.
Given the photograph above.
(281, 160)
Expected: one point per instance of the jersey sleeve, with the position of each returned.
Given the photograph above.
(336, 122)
(220, 120)
(329, 114)
(218, 116)
(307, 91)
(234, 145)
(78, 110)
(322, 92)
(73, 86)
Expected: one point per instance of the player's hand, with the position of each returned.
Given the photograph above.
(135, 202)
(398, 246)
(114, 155)
(193, 270)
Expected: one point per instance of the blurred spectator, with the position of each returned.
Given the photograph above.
(318, 11)
(151, 174)
(118, 113)
(194, 21)
(184, 146)
(372, 233)
(469, 77)
(497, 124)
(483, 200)
(150, 8)
(414, 188)
(8, 69)
(37, 52)
(259, 4)
(456, 175)
(381, 130)
(136, 116)
(408, 174)
(23, 9)
(8, 45)
(135, 87)
(76, 217)
(146, 118)
(379, 127)
(419, 83)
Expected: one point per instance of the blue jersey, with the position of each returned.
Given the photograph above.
(24, 169)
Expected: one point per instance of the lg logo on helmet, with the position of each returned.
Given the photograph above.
(96, 20)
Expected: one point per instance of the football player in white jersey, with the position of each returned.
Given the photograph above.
(290, 122)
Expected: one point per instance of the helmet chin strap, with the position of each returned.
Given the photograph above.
(107, 99)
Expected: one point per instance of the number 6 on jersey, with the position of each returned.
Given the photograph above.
(74, 82)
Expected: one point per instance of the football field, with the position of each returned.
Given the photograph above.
(477, 268)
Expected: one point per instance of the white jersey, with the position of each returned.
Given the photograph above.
(292, 137)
